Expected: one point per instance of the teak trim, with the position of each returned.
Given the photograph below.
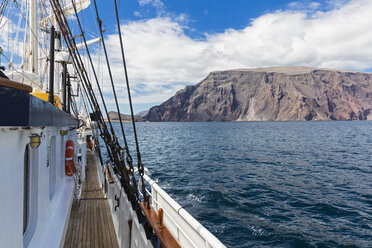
(109, 176)
(166, 238)
(14, 85)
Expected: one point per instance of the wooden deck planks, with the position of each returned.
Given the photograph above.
(90, 222)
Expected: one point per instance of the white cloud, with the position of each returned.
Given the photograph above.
(157, 4)
(137, 14)
(314, 5)
(163, 59)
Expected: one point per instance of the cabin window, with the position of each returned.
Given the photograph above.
(62, 158)
(30, 193)
(52, 166)
(26, 190)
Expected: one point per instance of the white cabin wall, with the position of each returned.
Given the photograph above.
(12, 148)
(53, 213)
(43, 196)
(59, 154)
(13, 142)
(44, 199)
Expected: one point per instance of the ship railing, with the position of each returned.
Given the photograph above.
(156, 205)
(185, 228)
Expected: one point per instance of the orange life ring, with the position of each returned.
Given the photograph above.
(91, 144)
(69, 161)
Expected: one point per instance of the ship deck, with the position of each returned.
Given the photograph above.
(91, 222)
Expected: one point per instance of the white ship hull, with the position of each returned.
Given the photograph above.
(50, 193)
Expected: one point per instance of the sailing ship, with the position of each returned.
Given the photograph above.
(57, 187)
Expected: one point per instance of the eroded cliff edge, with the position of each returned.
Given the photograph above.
(271, 94)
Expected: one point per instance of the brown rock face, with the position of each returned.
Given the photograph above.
(114, 116)
(271, 94)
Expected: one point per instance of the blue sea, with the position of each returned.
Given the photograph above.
(267, 184)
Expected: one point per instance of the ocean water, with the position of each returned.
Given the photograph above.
(267, 184)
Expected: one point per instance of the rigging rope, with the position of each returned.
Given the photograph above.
(25, 18)
(139, 161)
(2, 9)
(79, 68)
(33, 34)
(111, 142)
(117, 146)
(91, 63)
(129, 157)
(2, 14)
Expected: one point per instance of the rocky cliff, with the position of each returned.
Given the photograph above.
(114, 116)
(271, 94)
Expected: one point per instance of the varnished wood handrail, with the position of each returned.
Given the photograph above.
(14, 85)
(166, 238)
(109, 176)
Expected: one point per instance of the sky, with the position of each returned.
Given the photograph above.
(170, 44)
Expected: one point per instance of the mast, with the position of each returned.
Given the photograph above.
(58, 46)
(51, 66)
(33, 37)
